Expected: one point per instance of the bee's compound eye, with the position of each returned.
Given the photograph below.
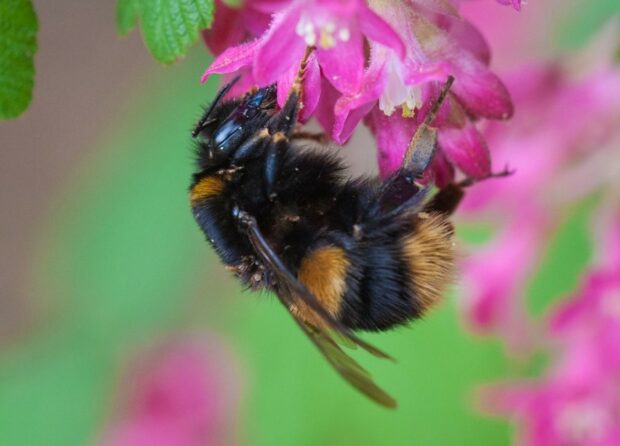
(225, 133)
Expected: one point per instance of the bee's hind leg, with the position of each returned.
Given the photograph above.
(402, 188)
(273, 161)
(447, 199)
(421, 150)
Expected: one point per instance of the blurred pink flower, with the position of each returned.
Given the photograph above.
(182, 394)
(559, 156)
(578, 401)
(495, 275)
(564, 156)
(552, 414)
(515, 3)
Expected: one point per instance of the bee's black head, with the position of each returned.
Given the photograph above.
(228, 123)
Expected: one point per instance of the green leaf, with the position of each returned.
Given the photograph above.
(126, 15)
(18, 43)
(168, 27)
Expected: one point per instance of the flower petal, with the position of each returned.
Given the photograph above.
(241, 86)
(428, 72)
(481, 92)
(377, 29)
(281, 47)
(324, 112)
(444, 7)
(345, 124)
(348, 108)
(516, 4)
(232, 59)
(467, 36)
(467, 150)
(343, 64)
(393, 134)
(226, 31)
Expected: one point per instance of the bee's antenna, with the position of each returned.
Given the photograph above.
(220, 95)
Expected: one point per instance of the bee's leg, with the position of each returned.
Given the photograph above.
(273, 160)
(447, 199)
(318, 137)
(421, 149)
(284, 121)
(402, 187)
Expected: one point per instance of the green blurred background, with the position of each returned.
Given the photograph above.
(101, 257)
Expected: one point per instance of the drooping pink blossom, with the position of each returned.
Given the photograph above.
(180, 394)
(438, 44)
(337, 29)
(551, 414)
(379, 57)
(565, 146)
(493, 280)
(562, 146)
(577, 402)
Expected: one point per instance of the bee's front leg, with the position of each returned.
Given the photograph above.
(273, 161)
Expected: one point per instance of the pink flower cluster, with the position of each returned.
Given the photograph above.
(578, 401)
(180, 394)
(563, 145)
(377, 62)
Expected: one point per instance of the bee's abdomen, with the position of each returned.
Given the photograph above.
(429, 253)
(324, 272)
(407, 270)
(387, 277)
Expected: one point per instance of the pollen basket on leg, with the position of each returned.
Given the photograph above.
(206, 188)
(430, 254)
(323, 272)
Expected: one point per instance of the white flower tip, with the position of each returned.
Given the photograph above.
(344, 34)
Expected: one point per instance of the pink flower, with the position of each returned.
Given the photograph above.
(551, 414)
(515, 3)
(494, 279)
(414, 46)
(397, 92)
(578, 400)
(337, 29)
(181, 394)
(558, 157)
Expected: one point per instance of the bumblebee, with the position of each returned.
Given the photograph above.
(342, 255)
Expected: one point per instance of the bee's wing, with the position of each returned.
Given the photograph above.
(290, 289)
(286, 278)
(346, 366)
